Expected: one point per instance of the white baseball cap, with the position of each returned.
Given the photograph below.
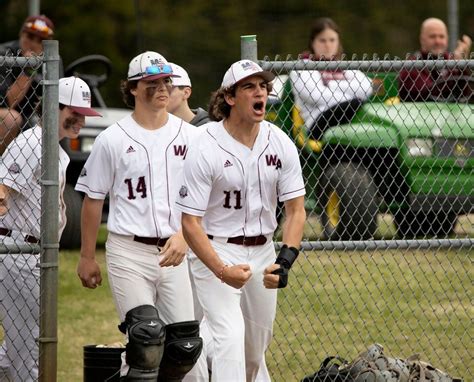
(75, 93)
(243, 69)
(149, 66)
(183, 79)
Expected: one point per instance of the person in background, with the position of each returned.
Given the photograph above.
(20, 89)
(329, 97)
(179, 96)
(419, 85)
(20, 211)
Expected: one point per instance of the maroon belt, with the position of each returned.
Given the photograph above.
(156, 241)
(28, 238)
(247, 241)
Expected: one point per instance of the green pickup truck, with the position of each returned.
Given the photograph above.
(413, 160)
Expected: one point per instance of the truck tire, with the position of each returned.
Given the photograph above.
(411, 224)
(349, 203)
(71, 237)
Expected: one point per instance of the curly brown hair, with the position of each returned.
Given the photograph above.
(219, 109)
(218, 106)
(125, 88)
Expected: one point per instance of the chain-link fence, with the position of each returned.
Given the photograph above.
(387, 150)
(389, 239)
(28, 212)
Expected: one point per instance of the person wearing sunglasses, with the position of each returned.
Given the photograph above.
(179, 96)
(20, 89)
(138, 162)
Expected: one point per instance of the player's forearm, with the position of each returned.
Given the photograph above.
(199, 243)
(18, 90)
(90, 222)
(294, 222)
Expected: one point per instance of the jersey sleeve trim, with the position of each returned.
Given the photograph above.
(190, 210)
(90, 193)
(292, 194)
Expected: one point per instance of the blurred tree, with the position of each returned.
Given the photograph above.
(204, 36)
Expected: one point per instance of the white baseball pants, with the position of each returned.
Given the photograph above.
(136, 278)
(19, 313)
(237, 325)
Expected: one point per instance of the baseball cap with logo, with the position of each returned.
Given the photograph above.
(243, 69)
(75, 93)
(149, 66)
(39, 25)
(183, 79)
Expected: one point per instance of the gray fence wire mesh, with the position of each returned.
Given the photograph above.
(28, 212)
(389, 242)
(387, 150)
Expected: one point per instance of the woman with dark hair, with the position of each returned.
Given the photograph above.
(329, 97)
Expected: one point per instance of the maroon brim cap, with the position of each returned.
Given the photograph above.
(87, 111)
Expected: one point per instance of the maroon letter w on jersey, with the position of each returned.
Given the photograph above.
(179, 150)
(272, 160)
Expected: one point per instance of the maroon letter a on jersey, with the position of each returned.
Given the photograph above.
(272, 160)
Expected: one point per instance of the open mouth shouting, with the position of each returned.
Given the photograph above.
(259, 107)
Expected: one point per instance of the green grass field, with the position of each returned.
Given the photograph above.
(338, 303)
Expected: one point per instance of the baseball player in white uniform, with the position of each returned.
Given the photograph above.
(20, 210)
(138, 162)
(233, 175)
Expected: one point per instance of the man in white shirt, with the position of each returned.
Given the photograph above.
(234, 173)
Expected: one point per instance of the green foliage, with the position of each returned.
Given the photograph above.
(204, 36)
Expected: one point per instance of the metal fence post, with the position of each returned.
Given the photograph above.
(248, 47)
(453, 23)
(49, 215)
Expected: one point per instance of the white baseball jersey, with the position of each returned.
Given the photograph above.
(21, 171)
(141, 170)
(235, 188)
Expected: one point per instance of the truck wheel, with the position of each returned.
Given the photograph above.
(71, 237)
(349, 203)
(411, 224)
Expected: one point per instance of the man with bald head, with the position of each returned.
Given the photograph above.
(422, 85)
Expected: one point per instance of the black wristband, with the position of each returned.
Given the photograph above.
(285, 259)
(287, 256)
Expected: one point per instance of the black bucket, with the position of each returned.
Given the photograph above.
(102, 363)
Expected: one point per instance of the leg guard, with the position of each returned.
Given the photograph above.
(183, 347)
(146, 335)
